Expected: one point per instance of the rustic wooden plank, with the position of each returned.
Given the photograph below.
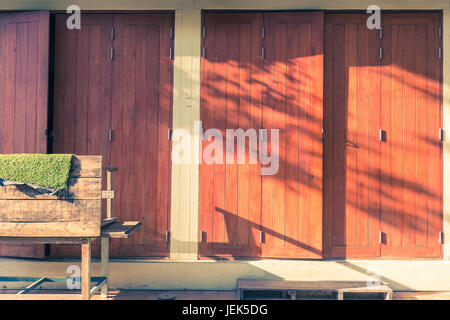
(86, 269)
(79, 188)
(50, 229)
(108, 221)
(120, 229)
(344, 286)
(86, 166)
(40, 297)
(49, 210)
(105, 265)
(44, 240)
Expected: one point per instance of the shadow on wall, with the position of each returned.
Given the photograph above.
(241, 91)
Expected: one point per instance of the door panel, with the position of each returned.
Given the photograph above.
(230, 197)
(281, 91)
(82, 96)
(24, 53)
(131, 94)
(292, 103)
(383, 191)
(411, 203)
(352, 146)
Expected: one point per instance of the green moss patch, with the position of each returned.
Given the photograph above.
(42, 170)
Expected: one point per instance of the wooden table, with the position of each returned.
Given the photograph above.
(73, 217)
(110, 229)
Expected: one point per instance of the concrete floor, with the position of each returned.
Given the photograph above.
(203, 295)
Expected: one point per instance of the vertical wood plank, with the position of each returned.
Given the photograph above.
(85, 269)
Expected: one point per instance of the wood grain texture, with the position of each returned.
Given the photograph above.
(78, 188)
(283, 91)
(352, 147)
(50, 229)
(392, 186)
(411, 204)
(78, 211)
(132, 96)
(292, 220)
(229, 195)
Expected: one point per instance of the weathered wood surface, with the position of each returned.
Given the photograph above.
(50, 210)
(120, 229)
(78, 188)
(76, 212)
(86, 166)
(347, 286)
(108, 221)
(50, 229)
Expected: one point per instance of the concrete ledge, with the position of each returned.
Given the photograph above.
(222, 275)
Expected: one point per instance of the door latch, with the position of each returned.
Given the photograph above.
(383, 136)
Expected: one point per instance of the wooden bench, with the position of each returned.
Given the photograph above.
(292, 287)
(70, 217)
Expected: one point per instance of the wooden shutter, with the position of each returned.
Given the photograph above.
(293, 103)
(121, 81)
(383, 154)
(411, 158)
(263, 78)
(352, 145)
(230, 196)
(24, 58)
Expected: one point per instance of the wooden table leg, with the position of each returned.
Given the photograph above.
(86, 269)
(105, 262)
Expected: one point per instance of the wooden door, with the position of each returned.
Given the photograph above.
(82, 95)
(24, 56)
(293, 104)
(411, 158)
(352, 145)
(383, 157)
(271, 78)
(230, 196)
(113, 96)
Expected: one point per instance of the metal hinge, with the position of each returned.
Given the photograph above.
(440, 52)
(170, 53)
(261, 236)
(262, 53)
(171, 33)
(440, 31)
(170, 134)
(263, 34)
(204, 236)
(49, 134)
(203, 32)
(112, 54)
(382, 237)
(110, 135)
(167, 236)
(441, 134)
(441, 237)
(381, 33)
(203, 52)
(382, 135)
(112, 33)
(381, 53)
